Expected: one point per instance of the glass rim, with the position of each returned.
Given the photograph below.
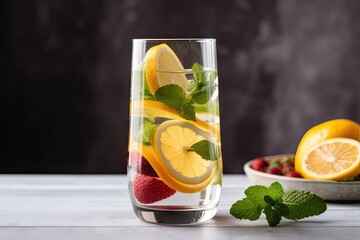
(173, 39)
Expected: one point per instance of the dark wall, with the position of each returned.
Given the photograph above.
(284, 66)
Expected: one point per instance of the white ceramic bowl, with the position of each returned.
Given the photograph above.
(328, 190)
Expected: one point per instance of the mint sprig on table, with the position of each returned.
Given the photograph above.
(276, 203)
(199, 92)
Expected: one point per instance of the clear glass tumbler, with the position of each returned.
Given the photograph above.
(174, 161)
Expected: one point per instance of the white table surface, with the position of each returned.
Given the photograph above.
(97, 207)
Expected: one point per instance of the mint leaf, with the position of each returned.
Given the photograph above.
(256, 194)
(187, 111)
(204, 94)
(199, 76)
(272, 216)
(146, 132)
(208, 107)
(245, 209)
(200, 97)
(172, 95)
(303, 204)
(207, 150)
(276, 191)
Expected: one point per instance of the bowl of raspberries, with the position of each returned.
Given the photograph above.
(280, 168)
(281, 165)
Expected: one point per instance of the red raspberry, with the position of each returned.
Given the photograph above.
(273, 170)
(259, 164)
(286, 168)
(140, 164)
(150, 189)
(293, 174)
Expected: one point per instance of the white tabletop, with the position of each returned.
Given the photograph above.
(97, 207)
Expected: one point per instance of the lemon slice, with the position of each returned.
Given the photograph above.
(172, 140)
(333, 159)
(153, 109)
(163, 67)
(164, 174)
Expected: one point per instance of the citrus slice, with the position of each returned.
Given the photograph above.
(190, 172)
(163, 67)
(333, 159)
(165, 175)
(337, 128)
(152, 109)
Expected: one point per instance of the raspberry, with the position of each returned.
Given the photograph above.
(293, 174)
(150, 189)
(273, 170)
(286, 168)
(259, 164)
(140, 164)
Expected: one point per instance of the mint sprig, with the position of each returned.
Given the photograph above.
(276, 204)
(146, 133)
(199, 92)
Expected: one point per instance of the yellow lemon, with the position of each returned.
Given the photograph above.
(163, 67)
(338, 128)
(152, 109)
(188, 171)
(332, 159)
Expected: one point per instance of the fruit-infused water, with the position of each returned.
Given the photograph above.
(174, 163)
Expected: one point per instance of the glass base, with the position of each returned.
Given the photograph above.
(175, 216)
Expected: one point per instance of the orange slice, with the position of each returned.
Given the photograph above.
(163, 67)
(333, 159)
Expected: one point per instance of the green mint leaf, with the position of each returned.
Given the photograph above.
(146, 133)
(204, 94)
(192, 86)
(209, 107)
(256, 194)
(207, 150)
(187, 111)
(269, 200)
(272, 217)
(282, 209)
(245, 209)
(172, 95)
(276, 191)
(199, 76)
(200, 97)
(303, 204)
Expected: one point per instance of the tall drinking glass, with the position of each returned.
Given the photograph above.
(174, 163)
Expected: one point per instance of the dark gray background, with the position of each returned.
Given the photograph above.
(284, 66)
